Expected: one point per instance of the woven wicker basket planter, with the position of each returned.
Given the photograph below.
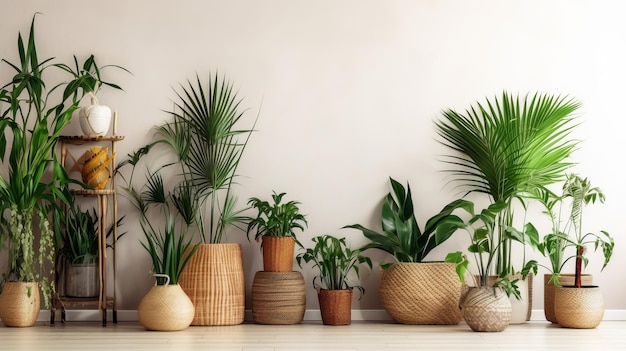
(486, 309)
(278, 297)
(19, 304)
(549, 291)
(522, 308)
(335, 306)
(421, 293)
(581, 308)
(214, 281)
(165, 308)
(278, 253)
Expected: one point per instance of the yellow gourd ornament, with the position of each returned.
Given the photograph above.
(95, 170)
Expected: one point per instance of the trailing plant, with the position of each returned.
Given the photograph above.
(402, 237)
(276, 218)
(335, 261)
(506, 147)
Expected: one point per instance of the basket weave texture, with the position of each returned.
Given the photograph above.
(278, 297)
(278, 253)
(549, 291)
(581, 308)
(165, 308)
(19, 304)
(335, 306)
(214, 281)
(487, 309)
(422, 293)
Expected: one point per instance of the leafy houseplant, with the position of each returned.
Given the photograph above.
(276, 224)
(31, 122)
(435, 301)
(78, 242)
(335, 261)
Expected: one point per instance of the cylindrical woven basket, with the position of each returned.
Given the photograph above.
(549, 289)
(278, 253)
(19, 304)
(278, 297)
(581, 308)
(486, 309)
(422, 293)
(214, 281)
(335, 306)
(165, 308)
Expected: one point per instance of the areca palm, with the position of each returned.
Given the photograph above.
(506, 147)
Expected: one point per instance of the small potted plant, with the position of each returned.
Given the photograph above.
(435, 299)
(335, 261)
(569, 309)
(276, 224)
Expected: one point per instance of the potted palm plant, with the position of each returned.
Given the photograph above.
(577, 305)
(335, 262)
(29, 132)
(276, 223)
(504, 148)
(207, 144)
(434, 300)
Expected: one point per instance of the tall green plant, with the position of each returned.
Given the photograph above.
(506, 147)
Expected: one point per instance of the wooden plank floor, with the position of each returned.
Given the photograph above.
(312, 335)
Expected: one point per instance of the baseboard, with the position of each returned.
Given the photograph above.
(309, 315)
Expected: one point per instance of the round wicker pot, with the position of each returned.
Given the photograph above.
(335, 306)
(549, 290)
(278, 297)
(581, 308)
(486, 309)
(520, 308)
(421, 293)
(19, 304)
(165, 308)
(214, 281)
(278, 253)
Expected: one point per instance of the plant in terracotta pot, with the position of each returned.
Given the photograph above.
(95, 118)
(30, 125)
(335, 261)
(505, 148)
(485, 306)
(276, 224)
(435, 299)
(577, 305)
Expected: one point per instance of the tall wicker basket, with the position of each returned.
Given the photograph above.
(214, 281)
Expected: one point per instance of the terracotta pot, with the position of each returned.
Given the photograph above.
(165, 308)
(422, 293)
(549, 291)
(581, 308)
(214, 281)
(486, 309)
(278, 253)
(278, 297)
(19, 304)
(335, 306)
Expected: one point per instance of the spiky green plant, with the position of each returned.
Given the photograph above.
(506, 147)
(335, 260)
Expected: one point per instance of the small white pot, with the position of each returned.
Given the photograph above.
(95, 119)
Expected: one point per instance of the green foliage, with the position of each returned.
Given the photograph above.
(76, 234)
(335, 261)
(276, 219)
(507, 147)
(87, 78)
(402, 237)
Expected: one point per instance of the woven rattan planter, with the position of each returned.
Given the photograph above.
(486, 309)
(581, 308)
(278, 297)
(19, 304)
(214, 281)
(165, 308)
(278, 253)
(335, 306)
(421, 293)
(549, 288)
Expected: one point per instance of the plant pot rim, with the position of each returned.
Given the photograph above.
(582, 287)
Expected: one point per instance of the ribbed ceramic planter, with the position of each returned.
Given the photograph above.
(278, 297)
(549, 291)
(421, 293)
(214, 281)
(581, 308)
(278, 253)
(19, 304)
(486, 309)
(335, 306)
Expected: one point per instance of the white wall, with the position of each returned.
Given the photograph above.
(349, 91)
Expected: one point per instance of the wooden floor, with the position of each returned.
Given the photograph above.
(610, 335)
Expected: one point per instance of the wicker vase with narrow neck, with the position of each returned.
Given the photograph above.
(214, 281)
(549, 289)
(335, 306)
(486, 309)
(165, 308)
(19, 304)
(278, 253)
(580, 308)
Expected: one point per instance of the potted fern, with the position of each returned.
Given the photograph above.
(435, 299)
(335, 262)
(276, 223)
